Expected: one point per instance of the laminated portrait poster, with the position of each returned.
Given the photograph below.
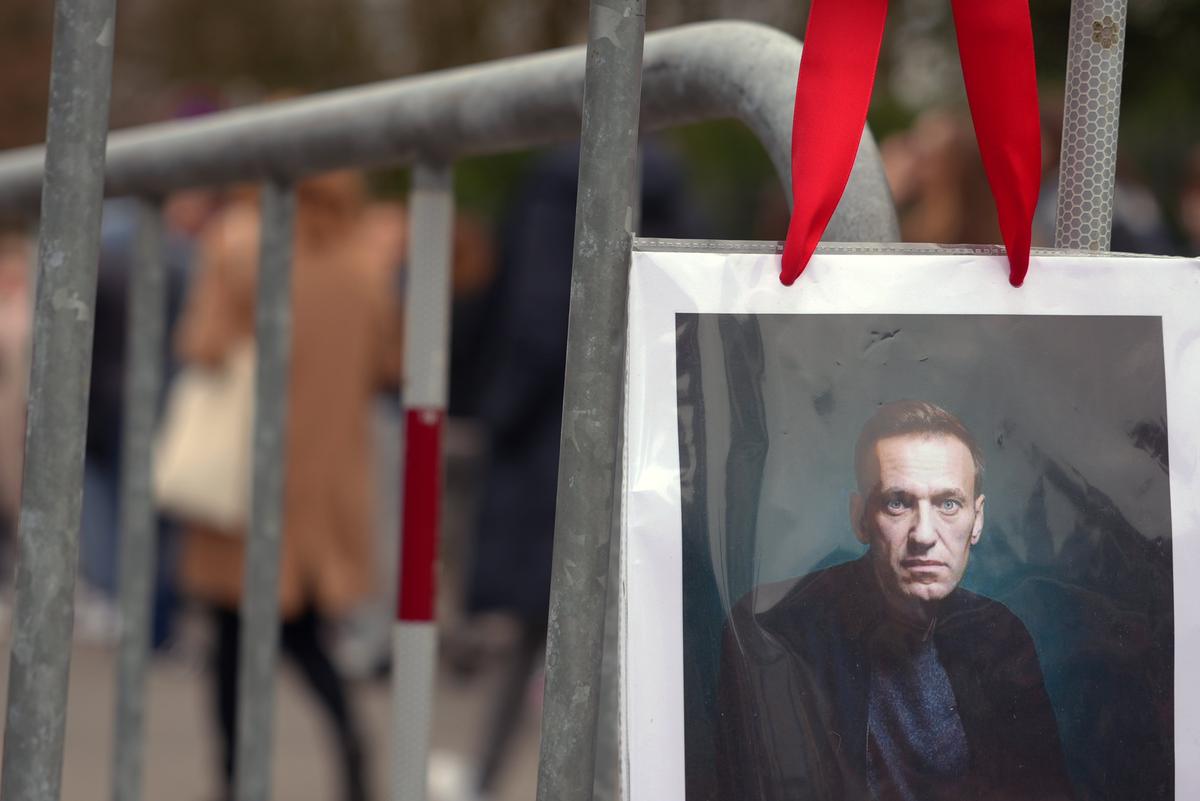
(903, 531)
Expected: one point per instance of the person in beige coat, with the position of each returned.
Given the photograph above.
(346, 348)
(16, 320)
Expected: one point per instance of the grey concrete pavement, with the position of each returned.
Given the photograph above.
(180, 747)
(181, 763)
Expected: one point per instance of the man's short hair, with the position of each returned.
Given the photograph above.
(904, 417)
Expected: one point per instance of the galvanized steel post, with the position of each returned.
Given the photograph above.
(48, 532)
(1091, 112)
(588, 462)
(426, 361)
(144, 356)
(608, 726)
(606, 786)
(259, 641)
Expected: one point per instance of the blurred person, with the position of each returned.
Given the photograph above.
(16, 320)
(1189, 204)
(474, 307)
(363, 638)
(942, 194)
(520, 405)
(938, 183)
(346, 347)
(473, 300)
(96, 613)
(384, 229)
(184, 215)
(1138, 224)
(364, 641)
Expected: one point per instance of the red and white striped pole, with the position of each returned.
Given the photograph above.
(426, 356)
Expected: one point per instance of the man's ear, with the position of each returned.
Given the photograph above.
(977, 529)
(857, 523)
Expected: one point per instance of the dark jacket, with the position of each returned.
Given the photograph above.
(792, 697)
(524, 350)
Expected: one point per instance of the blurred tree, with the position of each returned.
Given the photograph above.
(245, 49)
(467, 31)
(24, 71)
(1160, 118)
(272, 44)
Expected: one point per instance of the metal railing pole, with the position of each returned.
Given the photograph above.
(144, 349)
(426, 359)
(1091, 111)
(259, 637)
(52, 493)
(587, 472)
(608, 727)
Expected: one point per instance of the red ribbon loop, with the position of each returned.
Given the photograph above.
(833, 91)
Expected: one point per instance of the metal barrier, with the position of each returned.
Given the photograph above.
(1091, 109)
(693, 73)
(426, 359)
(52, 493)
(588, 468)
(688, 74)
(146, 334)
(260, 596)
(589, 461)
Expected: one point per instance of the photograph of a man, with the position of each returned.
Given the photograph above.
(881, 677)
(925, 557)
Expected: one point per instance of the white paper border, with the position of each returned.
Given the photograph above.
(665, 283)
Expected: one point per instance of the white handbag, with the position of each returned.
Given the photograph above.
(203, 455)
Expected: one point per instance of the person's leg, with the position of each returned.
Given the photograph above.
(509, 701)
(8, 539)
(224, 669)
(99, 527)
(166, 593)
(301, 640)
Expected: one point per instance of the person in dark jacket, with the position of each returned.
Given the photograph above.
(881, 678)
(99, 541)
(520, 400)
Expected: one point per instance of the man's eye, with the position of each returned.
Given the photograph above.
(894, 505)
(950, 505)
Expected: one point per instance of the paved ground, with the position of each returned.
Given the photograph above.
(180, 749)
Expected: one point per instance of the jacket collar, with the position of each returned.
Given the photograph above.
(866, 608)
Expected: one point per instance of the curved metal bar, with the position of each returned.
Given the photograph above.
(692, 73)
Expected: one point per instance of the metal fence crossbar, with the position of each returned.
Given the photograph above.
(692, 73)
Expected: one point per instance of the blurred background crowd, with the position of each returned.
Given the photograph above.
(513, 241)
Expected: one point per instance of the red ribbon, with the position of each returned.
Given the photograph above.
(837, 71)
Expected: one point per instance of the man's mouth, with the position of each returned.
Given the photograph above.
(921, 563)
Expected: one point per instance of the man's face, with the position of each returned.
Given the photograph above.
(920, 518)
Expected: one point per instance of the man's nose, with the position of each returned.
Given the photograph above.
(922, 535)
